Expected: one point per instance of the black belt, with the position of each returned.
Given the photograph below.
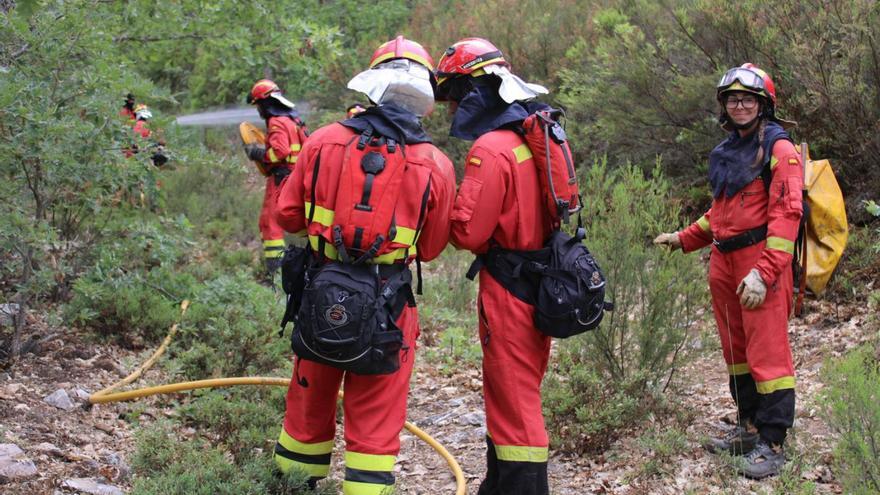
(747, 238)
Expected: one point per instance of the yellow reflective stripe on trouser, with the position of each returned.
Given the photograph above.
(273, 248)
(322, 215)
(771, 386)
(312, 458)
(521, 454)
(522, 153)
(780, 244)
(738, 369)
(703, 222)
(368, 474)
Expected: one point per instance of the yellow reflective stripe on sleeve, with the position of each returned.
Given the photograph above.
(738, 369)
(294, 445)
(359, 488)
(273, 243)
(295, 147)
(370, 462)
(291, 158)
(522, 153)
(405, 235)
(521, 454)
(273, 253)
(780, 244)
(285, 465)
(322, 215)
(703, 222)
(773, 162)
(272, 156)
(768, 387)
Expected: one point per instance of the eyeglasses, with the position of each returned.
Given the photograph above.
(748, 102)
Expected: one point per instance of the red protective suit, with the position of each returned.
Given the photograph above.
(374, 405)
(500, 201)
(755, 342)
(141, 130)
(283, 144)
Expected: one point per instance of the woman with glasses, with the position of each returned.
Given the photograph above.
(756, 178)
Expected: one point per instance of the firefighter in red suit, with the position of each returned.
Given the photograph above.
(757, 177)
(127, 110)
(499, 203)
(400, 82)
(285, 134)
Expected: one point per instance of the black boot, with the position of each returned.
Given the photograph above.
(763, 461)
(741, 439)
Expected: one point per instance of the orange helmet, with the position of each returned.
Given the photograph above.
(747, 77)
(466, 56)
(262, 89)
(401, 47)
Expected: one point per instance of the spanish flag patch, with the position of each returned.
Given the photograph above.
(475, 161)
(792, 161)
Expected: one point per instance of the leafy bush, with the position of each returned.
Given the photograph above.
(135, 285)
(231, 329)
(610, 378)
(852, 405)
(166, 464)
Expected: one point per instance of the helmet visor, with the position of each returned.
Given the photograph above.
(748, 78)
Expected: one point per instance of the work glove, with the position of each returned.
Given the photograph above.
(256, 152)
(752, 290)
(672, 241)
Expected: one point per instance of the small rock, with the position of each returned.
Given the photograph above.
(59, 399)
(11, 391)
(456, 402)
(12, 468)
(91, 486)
(436, 419)
(81, 394)
(48, 448)
(108, 364)
(22, 407)
(474, 418)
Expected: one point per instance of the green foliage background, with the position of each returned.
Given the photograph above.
(113, 244)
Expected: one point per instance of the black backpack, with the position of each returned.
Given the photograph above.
(347, 316)
(561, 280)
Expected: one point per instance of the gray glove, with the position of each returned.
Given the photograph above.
(256, 152)
(672, 241)
(752, 290)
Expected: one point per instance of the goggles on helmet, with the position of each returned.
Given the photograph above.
(748, 78)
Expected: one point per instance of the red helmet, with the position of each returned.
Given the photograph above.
(401, 47)
(747, 77)
(466, 56)
(262, 89)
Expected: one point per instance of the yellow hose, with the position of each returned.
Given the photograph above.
(105, 396)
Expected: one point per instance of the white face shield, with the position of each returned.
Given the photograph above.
(402, 82)
(512, 87)
(281, 99)
(143, 114)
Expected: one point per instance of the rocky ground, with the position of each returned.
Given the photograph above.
(51, 441)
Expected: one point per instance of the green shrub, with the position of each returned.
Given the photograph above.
(231, 329)
(852, 404)
(241, 418)
(165, 464)
(610, 378)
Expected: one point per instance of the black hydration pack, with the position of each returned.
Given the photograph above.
(561, 280)
(347, 317)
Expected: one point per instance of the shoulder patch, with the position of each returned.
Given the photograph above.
(475, 161)
(275, 127)
(793, 161)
